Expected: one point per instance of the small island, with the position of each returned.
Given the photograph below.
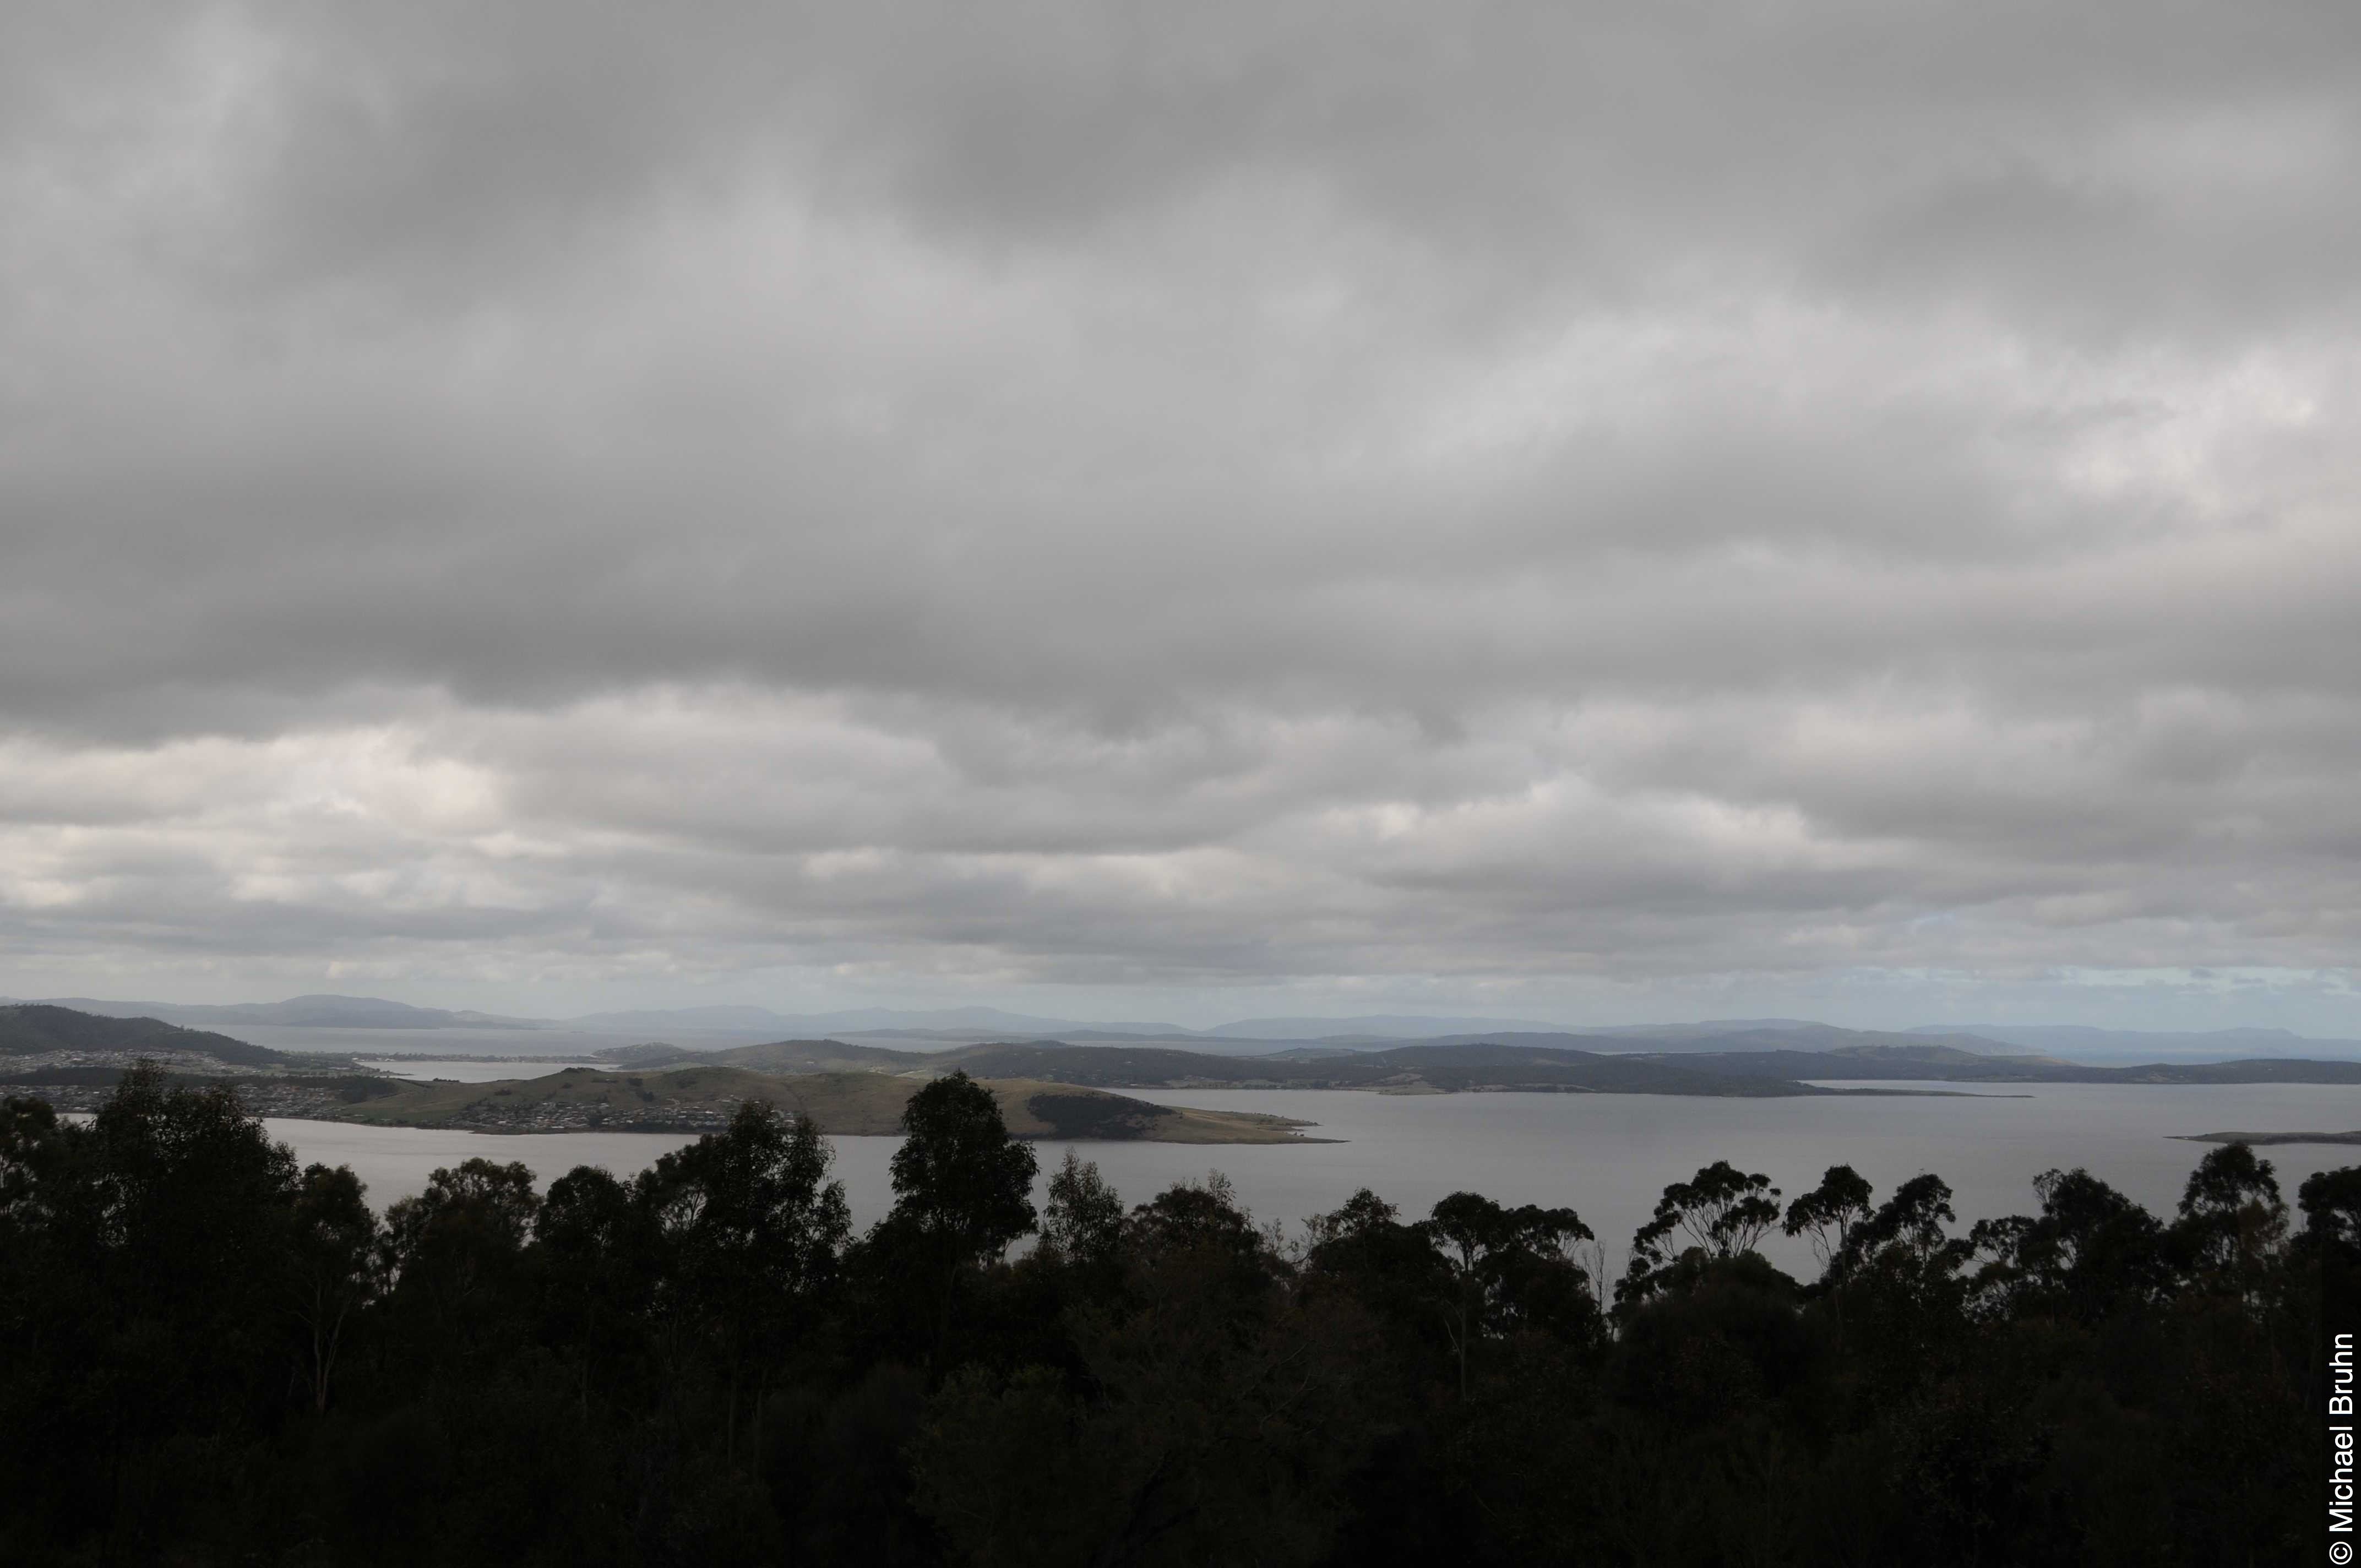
(2259, 1140)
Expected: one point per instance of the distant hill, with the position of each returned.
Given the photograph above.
(778, 1056)
(38, 1028)
(1907, 1065)
(685, 1020)
(2086, 1042)
(954, 1023)
(1370, 1025)
(939, 1029)
(1790, 1059)
(302, 1012)
(1782, 1034)
(1418, 1068)
(1944, 1053)
(1527, 1062)
(703, 1097)
(1706, 1028)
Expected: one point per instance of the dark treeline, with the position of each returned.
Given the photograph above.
(212, 1355)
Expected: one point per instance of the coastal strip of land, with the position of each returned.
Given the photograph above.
(703, 1097)
(1047, 1089)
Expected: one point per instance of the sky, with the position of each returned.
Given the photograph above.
(1570, 511)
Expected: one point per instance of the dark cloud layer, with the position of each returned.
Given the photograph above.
(1538, 504)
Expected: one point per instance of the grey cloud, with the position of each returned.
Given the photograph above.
(1130, 496)
(2000, 136)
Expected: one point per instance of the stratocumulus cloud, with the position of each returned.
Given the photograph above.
(1496, 504)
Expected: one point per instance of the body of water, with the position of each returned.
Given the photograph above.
(474, 1070)
(1608, 1156)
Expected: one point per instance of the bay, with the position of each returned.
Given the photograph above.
(1607, 1156)
(474, 1069)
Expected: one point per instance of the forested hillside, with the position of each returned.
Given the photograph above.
(35, 1029)
(215, 1357)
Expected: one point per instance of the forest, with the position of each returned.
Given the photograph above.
(214, 1355)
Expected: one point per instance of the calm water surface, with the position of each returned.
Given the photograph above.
(1608, 1156)
(476, 1070)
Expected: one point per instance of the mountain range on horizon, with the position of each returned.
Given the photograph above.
(2064, 1038)
(737, 1023)
(327, 1010)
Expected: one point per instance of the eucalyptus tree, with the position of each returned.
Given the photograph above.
(1510, 1269)
(753, 1235)
(452, 1255)
(1831, 1211)
(2232, 1224)
(963, 1188)
(1083, 1222)
(1721, 1212)
(333, 1270)
(2090, 1250)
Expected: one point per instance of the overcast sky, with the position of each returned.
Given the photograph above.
(1575, 512)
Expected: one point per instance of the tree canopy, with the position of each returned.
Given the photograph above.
(216, 1357)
